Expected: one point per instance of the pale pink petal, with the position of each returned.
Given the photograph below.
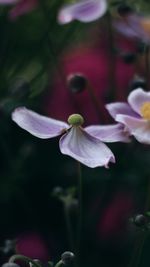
(22, 7)
(85, 148)
(109, 133)
(130, 26)
(38, 125)
(125, 29)
(6, 2)
(120, 108)
(139, 128)
(84, 11)
(137, 98)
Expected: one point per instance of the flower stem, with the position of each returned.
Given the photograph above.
(59, 264)
(23, 258)
(95, 101)
(112, 59)
(139, 243)
(147, 65)
(69, 228)
(79, 228)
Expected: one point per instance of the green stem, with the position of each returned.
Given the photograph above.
(112, 59)
(59, 264)
(95, 100)
(79, 229)
(139, 243)
(25, 259)
(69, 228)
(147, 66)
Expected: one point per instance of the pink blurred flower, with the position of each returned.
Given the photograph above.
(22, 7)
(134, 26)
(32, 245)
(114, 221)
(94, 63)
(83, 10)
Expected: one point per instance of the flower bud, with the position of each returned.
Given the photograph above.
(75, 120)
(141, 47)
(57, 191)
(140, 220)
(67, 257)
(10, 264)
(124, 9)
(77, 82)
(138, 83)
(129, 58)
(20, 88)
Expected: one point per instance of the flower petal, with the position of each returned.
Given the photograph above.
(22, 7)
(38, 125)
(125, 29)
(7, 2)
(137, 98)
(119, 108)
(85, 148)
(109, 133)
(139, 128)
(84, 11)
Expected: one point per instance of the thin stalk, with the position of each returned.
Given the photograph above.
(69, 228)
(112, 59)
(147, 65)
(79, 228)
(139, 243)
(95, 100)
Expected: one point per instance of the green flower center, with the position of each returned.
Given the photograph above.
(75, 120)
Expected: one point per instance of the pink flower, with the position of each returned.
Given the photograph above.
(85, 145)
(134, 115)
(114, 220)
(32, 245)
(8, 2)
(93, 62)
(83, 10)
(21, 7)
(134, 26)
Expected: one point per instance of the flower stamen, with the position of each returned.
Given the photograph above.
(75, 120)
(145, 110)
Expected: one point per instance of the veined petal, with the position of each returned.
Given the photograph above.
(85, 148)
(137, 98)
(84, 11)
(139, 128)
(38, 125)
(109, 133)
(119, 108)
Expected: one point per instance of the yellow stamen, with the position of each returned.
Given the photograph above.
(145, 110)
(145, 23)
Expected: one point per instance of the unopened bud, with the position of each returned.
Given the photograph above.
(138, 83)
(20, 88)
(140, 220)
(141, 47)
(129, 58)
(75, 120)
(67, 257)
(124, 10)
(77, 82)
